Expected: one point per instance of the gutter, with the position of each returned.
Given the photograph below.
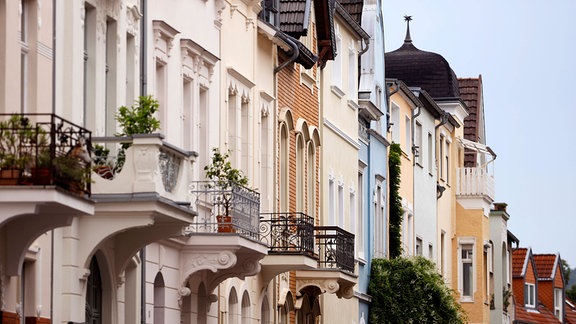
(295, 52)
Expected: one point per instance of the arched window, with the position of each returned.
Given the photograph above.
(233, 307)
(300, 176)
(311, 178)
(265, 311)
(94, 294)
(159, 298)
(202, 304)
(284, 167)
(246, 311)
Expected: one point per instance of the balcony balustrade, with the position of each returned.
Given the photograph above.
(474, 182)
(44, 150)
(225, 208)
(288, 233)
(335, 248)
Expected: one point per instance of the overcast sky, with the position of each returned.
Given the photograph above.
(525, 51)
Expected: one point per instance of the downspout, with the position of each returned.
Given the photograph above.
(53, 111)
(443, 120)
(143, 90)
(295, 54)
(365, 49)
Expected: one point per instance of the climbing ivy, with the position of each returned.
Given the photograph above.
(396, 211)
(410, 290)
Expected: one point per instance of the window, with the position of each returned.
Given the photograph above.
(337, 64)
(529, 295)
(352, 67)
(418, 246)
(283, 168)
(442, 253)
(233, 309)
(409, 233)
(360, 217)
(418, 144)
(269, 12)
(441, 157)
(467, 269)
(341, 204)
(430, 154)
(246, 316)
(311, 176)
(300, 176)
(331, 202)
(131, 65)
(558, 303)
(380, 222)
(447, 157)
(395, 124)
(89, 104)
(26, 28)
(407, 130)
(265, 158)
(430, 252)
(353, 207)
(187, 112)
(159, 299)
(111, 75)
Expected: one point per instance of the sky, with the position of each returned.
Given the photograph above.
(525, 51)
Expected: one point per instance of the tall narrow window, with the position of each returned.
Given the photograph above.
(558, 303)
(187, 111)
(265, 311)
(25, 29)
(233, 132)
(467, 266)
(245, 141)
(331, 202)
(447, 161)
(529, 295)
(111, 75)
(311, 176)
(341, 204)
(130, 69)
(203, 122)
(380, 224)
(442, 253)
(360, 216)
(159, 299)
(418, 246)
(300, 158)
(265, 167)
(161, 90)
(407, 133)
(352, 212)
(441, 157)
(352, 71)
(337, 64)
(246, 316)
(89, 97)
(233, 310)
(418, 149)
(94, 294)
(395, 124)
(430, 154)
(283, 168)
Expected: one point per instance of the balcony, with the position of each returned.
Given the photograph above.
(290, 241)
(44, 179)
(224, 236)
(474, 182)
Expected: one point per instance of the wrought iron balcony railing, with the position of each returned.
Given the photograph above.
(288, 233)
(224, 208)
(44, 149)
(335, 248)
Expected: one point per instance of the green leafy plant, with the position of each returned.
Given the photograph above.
(137, 119)
(71, 174)
(410, 290)
(396, 211)
(222, 172)
(506, 295)
(16, 137)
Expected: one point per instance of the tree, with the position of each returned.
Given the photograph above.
(566, 270)
(410, 290)
(396, 211)
(571, 293)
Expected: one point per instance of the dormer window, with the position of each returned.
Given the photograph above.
(530, 295)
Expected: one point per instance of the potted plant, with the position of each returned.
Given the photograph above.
(137, 119)
(16, 135)
(42, 168)
(102, 164)
(220, 171)
(71, 174)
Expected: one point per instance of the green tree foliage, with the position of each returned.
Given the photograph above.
(571, 293)
(566, 270)
(410, 290)
(394, 235)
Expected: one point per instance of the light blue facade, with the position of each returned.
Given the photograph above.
(373, 158)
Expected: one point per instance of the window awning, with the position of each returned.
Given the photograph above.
(475, 146)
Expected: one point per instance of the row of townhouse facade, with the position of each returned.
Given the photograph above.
(306, 102)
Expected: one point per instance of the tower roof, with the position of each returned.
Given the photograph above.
(418, 68)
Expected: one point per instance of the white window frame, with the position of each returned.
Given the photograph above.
(558, 303)
(395, 127)
(530, 295)
(469, 244)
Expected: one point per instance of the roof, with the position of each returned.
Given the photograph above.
(354, 8)
(470, 89)
(294, 17)
(546, 265)
(417, 68)
(570, 314)
(519, 261)
(538, 315)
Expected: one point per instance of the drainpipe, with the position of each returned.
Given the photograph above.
(143, 90)
(414, 147)
(295, 53)
(53, 111)
(365, 49)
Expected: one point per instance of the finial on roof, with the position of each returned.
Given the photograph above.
(407, 19)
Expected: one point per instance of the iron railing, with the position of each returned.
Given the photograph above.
(44, 149)
(224, 207)
(288, 233)
(335, 248)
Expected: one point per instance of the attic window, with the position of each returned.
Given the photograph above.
(529, 295)
(270, 11)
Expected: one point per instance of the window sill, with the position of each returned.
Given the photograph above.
(337, 91)
(307, 80)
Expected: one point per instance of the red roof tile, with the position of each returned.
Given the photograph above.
(539, 315)
(545, 264)
(470, 92)
(518, 261)
(570, 312)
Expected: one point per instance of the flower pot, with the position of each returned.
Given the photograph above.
(10, 176)
(225, 224)
(41, 176)
(104, 171)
